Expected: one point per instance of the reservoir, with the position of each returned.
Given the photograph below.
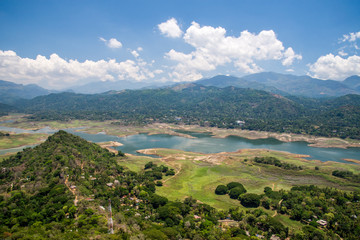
(205, 143)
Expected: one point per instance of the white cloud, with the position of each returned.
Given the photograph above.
(170, 28)
(57, 73)
(290, 56)
(342, 53)
(213, 48)
(112, 43)
(335, 67)
(351, 37)
(135, 53)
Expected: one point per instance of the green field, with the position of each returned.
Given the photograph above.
(197, 175)
(17, 140)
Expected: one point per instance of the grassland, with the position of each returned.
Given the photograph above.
(18, 140)
(198, 174)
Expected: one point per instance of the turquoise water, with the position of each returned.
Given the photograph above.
(204, 143)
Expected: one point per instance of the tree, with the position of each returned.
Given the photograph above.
(221, 190)
(158, 201)
(234, 193)
(234, 185)
(149, 165)
(250, 200)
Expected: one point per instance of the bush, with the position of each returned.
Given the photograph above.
(221, 190)
(234, 185)
(234, 193)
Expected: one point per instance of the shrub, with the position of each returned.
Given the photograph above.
(234, 193)
(234, 185)
(221, 190)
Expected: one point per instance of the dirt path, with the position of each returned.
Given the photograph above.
(178, 171)
(279, 206)
(73, 191)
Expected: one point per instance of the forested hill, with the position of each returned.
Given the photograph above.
(228, 107)
(190, 100)
(61, 155)
(40, 188)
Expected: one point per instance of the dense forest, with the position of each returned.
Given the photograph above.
(63, 188)
(228, 107)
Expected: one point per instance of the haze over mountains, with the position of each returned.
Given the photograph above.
(286, 84)
(9, 91)
(283, 84)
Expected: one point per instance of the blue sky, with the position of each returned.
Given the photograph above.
(59, 44)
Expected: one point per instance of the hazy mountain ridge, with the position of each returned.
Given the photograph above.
(353, 82)
(105, 86)
(287, 84)
(10, 92)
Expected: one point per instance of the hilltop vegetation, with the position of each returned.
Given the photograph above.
(61, 189)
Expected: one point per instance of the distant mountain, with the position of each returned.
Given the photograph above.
(9, 91)
(226, 81)
(101, 87)
(301, 85)
(353, 82)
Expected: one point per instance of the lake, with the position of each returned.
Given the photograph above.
(205, 143)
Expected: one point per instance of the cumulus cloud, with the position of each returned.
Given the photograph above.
(213, 48)
(290, 56)
(111, 43)
(170, 28)
(57, 73)
(335, 67)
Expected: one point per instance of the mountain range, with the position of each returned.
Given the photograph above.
(10, 92)
(283, 84)
(287, 84)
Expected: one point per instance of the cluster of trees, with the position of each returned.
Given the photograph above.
(236, 190)
(159, 170)
(347, 175)
(309, 204)
(276, 162)
(206, 106)
(4, 134)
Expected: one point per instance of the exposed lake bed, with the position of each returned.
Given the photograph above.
(194, 138)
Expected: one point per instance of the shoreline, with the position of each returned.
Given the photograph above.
(171, 129)
(313, 141)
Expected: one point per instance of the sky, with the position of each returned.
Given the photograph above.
(60, 44)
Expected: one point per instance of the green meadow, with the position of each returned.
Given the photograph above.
(18, 140)
(198, 175)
